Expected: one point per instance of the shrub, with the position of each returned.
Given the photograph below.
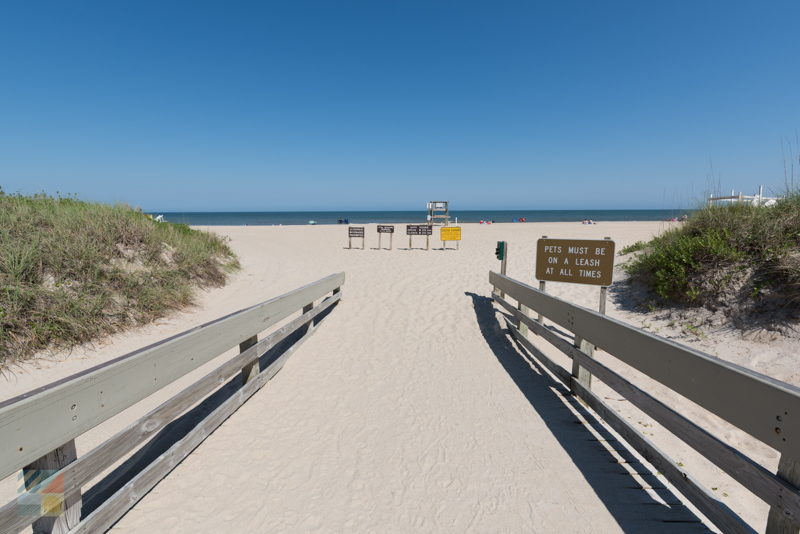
(694, 264)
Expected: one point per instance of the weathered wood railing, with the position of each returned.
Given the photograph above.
(765, 408)
(38, 429)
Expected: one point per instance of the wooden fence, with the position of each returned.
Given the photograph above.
(38, 429)
(765, 408)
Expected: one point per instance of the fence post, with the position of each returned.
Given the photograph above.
(542, 286)
(250, 370)
(66, 514)
(503, 265)
(777, 523)
(581, 374)
(307, 308)
(523, 328)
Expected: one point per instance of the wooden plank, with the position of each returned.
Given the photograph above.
(542, 286)
(780, 520)
(307, 308)
(712, 383)
(769, 488)
(249, 370)
(523, 327)
(102, 518)
(65, 512)
(750, 474)
(89, 465)
(716, 511)
(603, 299)
(39, 421)
(579, 372)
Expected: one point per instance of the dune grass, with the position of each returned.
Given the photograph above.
(73, 271)
(633, 247)
(749, 250)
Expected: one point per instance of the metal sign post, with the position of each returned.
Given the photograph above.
(501, 253)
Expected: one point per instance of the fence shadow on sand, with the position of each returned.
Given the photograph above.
(618, 478)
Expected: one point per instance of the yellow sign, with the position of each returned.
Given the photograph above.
(451, 233)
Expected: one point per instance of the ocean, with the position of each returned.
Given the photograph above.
(269, 218)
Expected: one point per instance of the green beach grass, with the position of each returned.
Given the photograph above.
(738, 251)
(73, 271)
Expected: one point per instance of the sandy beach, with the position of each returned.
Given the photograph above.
(405, 411)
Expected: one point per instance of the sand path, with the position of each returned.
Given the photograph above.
(408, 410)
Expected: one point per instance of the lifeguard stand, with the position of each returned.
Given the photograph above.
(438, 213)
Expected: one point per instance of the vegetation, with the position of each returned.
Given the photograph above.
(735, 251)
(71, 271)
(633, 247)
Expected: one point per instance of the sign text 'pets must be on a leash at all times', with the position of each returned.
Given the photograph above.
(579, 261)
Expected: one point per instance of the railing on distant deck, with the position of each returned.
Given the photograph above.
(765, 408)
(38, 429)
(741, 198)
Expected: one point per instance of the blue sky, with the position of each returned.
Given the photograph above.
(385, 105)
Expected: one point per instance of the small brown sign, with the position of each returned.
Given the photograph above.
(355, 231)
(385, 229)
(579, 261)
(419, 229)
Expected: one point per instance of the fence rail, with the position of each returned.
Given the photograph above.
(765, 408)
(37, 429)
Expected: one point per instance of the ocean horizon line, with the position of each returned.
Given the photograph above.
(272, 218)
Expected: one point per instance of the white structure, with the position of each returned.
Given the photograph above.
(438, 212)
(756, 200)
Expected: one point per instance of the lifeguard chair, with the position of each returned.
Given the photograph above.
(438, 213)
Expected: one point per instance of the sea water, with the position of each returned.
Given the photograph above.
(267, 218)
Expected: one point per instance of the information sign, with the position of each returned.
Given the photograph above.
(579, 261)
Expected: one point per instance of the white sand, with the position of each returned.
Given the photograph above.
(408, 410)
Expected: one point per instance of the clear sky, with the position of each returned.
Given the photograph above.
(297, 105)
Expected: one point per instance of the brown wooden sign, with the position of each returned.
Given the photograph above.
(385, 229)
(578, 261)
(355, 231)
(419, 229)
